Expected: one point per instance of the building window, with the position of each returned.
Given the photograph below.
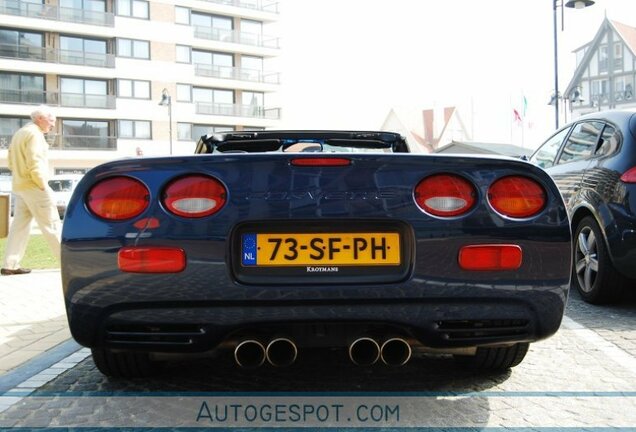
(190, 132)
(602, 58)
(133, 8)
(9, 126)
(618, 56)
(184, 93)
(87, 135)
(252, 104)
(135, 89)
(212, 27)
(84, 11)
(80, 51)
(181, 15)
(184, 54)
(213, 101)
(132, 48)
(24, 45)
(137, 129)
(251, 32)
(84, 93)
(213, 64)
(21, 88)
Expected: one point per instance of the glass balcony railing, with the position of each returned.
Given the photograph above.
(253, 111)
(230, 72)
(22, 97)
(74, 100)
(49, 12)
(82, 100)
(82, 142)
(49, 55)
(265, 6)
(233, 36)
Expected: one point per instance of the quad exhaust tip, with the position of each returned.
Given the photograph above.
(364, 351)
(249, 353)
(395, 352)
(281, 352)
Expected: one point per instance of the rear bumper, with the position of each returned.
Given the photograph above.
(433, 322)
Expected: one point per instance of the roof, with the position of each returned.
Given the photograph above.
(484, 148)
(627, 33)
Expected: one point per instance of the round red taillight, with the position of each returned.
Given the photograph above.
(517, 197)
(194, 196)
(118, 198)
(445, 195)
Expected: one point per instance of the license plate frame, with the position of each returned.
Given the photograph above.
(398, 235)
(320, 249)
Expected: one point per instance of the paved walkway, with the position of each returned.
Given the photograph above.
(32, 316)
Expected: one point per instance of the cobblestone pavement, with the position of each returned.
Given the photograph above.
(583, 377)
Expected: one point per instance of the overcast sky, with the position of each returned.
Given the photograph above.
(346, 63)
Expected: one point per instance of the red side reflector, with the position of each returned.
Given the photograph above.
(629, 176)
(490, 257)
(320, 162)
(147, 223)
(151, 259)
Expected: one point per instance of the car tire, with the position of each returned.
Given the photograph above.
(495, 359)
(593, 273)
(123, 364)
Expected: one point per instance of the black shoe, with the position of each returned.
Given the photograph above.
(9, 272)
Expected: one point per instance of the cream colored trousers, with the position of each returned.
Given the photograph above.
(32, 204)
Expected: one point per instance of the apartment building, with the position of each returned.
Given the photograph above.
(135, 77)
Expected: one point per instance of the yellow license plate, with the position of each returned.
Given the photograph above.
(299, 249)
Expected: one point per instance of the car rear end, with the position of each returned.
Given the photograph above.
(186, 254)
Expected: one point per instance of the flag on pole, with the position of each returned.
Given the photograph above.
(516, 115)
(525, 106)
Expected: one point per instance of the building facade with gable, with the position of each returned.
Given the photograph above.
(605, 74)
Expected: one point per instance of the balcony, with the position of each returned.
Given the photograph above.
(233, 36)
(48, 12)
(229, 72)
(22, 97)
(82, 142)
(72, 100)
(50, 55)
(265, 6)
(83, 100)
(253, 111)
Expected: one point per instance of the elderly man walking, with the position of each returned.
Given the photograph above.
(29, 165)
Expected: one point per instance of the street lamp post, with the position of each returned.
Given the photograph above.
(166, 100)
(576, 4)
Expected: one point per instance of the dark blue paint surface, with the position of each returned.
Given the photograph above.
(263, 188)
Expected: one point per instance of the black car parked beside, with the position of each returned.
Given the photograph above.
(593, 162)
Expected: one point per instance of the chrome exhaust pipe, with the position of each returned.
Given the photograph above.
(395, 352)
(364, 351)
(281, 352)
(249, 353)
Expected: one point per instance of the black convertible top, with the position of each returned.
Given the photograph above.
(281, 140)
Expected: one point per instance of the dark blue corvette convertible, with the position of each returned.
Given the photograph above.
(276, 241)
